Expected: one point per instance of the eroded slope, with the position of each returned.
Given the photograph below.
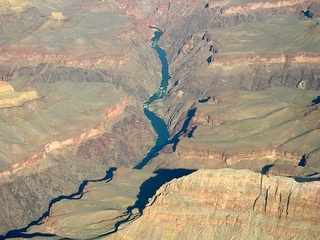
(231, 204)
(89, 67)
(246, 129)
(214, 49)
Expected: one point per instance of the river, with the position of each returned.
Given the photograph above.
(158, 124)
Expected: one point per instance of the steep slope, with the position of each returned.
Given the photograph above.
(91, 70)
(97, 211)
(229, 204)
(251, 129)
(93, 64)
(259, 46)
(100, 208)
(49, 146)
(228, 46)
(74, 41)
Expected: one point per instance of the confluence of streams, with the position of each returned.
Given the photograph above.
(157, 123)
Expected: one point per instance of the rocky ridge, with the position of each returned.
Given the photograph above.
(35, 174)
(86, 72)
(9, 98)
(214, 50)
(229, 204)
(222, 52)
(246, 129)
(89, 217)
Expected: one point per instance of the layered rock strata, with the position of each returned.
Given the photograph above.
(101, 208)
(62, 139)
(212, 47)
(41, 45)
(98, 209)
(231, 204)
(92, 70)
(9, 98)
(256, 49)
(251, 129)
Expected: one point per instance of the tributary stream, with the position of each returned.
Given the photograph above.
(158, 124)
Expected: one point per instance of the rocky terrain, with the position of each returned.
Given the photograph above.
(246, 129)
(216, 204)
(76, 104)
(243, 94)
(11, 98)
(229, 204)
(264, 48)
(95, 218)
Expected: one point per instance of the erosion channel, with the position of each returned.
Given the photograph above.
(158, 124)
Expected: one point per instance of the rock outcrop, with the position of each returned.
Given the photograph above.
(229, 204)
(9, 98)
(92, 70)
(233, 65)
(225, 52)
(61, 140)
(246, 129)
(97, 210)
(39, 45)
(101, 207)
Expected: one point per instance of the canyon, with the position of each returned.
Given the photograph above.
(229, 204)
(237, 152)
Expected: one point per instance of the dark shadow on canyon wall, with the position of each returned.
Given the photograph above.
(316, 101)
(184, 129)
(306, 179)
(148, 189)
(150, 186)
(266, 169)
(21, 233)
(204, 100)
(303, 161)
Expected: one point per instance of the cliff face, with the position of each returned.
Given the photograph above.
(229, 204)
(97, 210)
(41, 45)
(93, 66)
(88, 65)
(154, 13)
(278, 127)
(252, 46)
(102, 207)
(62, 139)
(239, 45)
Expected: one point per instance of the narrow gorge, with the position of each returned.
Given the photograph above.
(158, 124)
(162, 139)
(159, 119)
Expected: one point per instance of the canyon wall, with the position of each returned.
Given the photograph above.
(88, 70)
(259, 46)
(30, 184)
(277, 127)
(229, 204)
(233, 67)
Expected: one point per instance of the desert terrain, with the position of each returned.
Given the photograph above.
(160, 119)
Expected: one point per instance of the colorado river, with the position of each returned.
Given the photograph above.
(158, 124)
